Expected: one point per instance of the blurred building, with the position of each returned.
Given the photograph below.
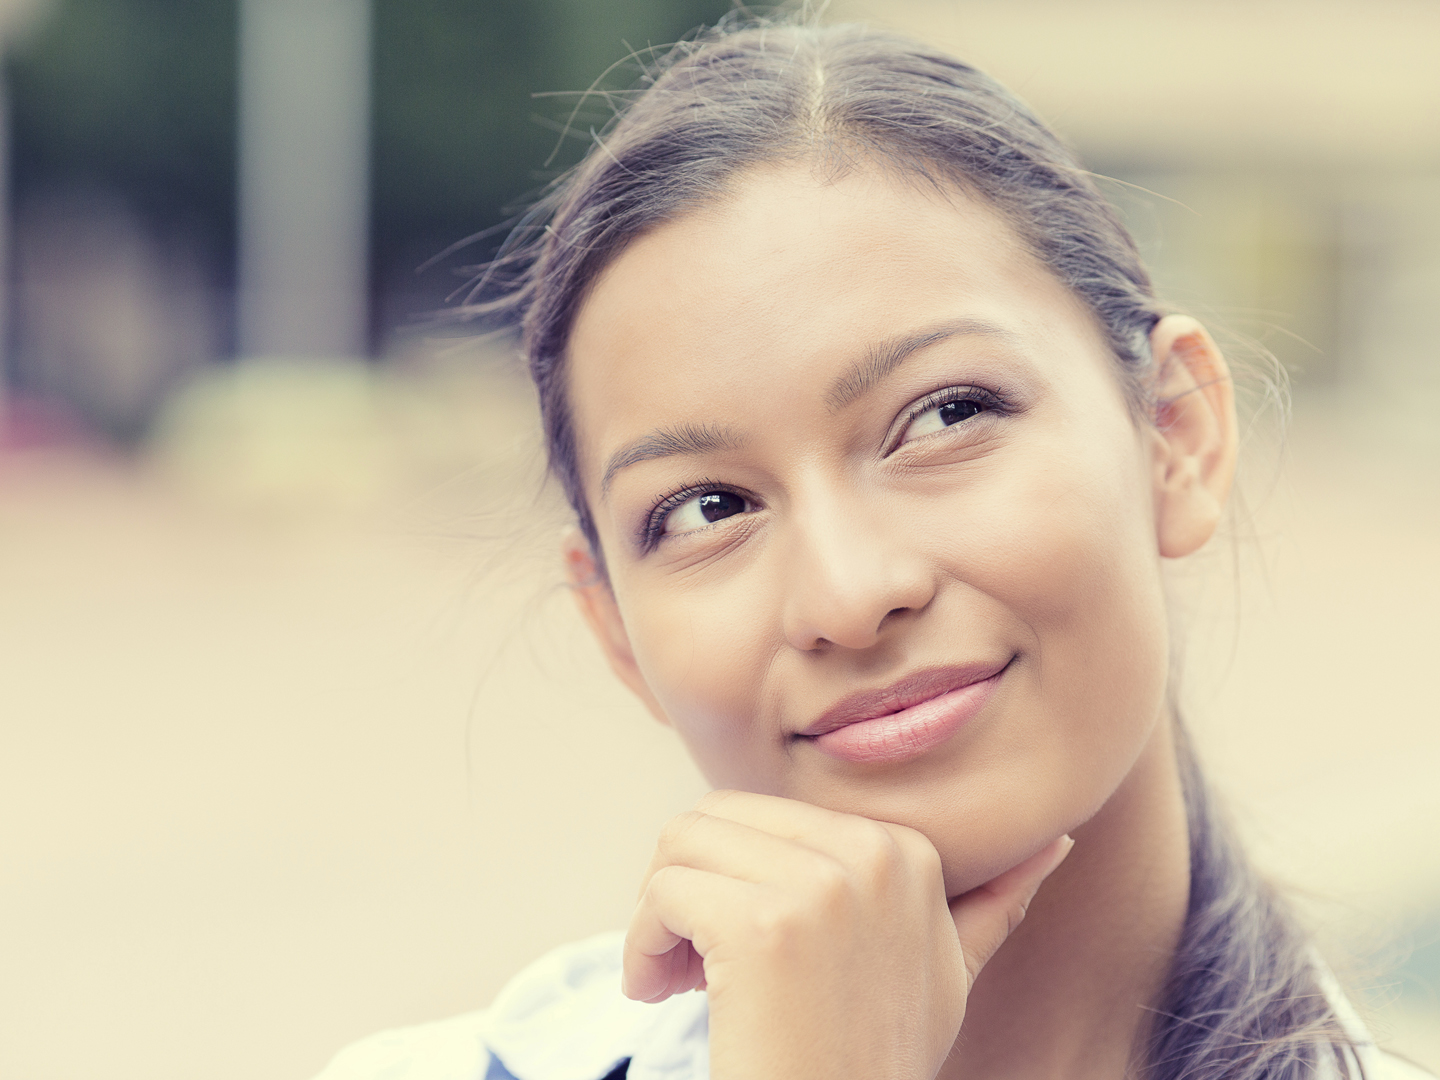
(1279, 163)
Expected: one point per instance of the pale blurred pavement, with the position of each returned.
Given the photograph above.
(289, 756)
(237, 824)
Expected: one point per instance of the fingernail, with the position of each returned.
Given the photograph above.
(1067, 844)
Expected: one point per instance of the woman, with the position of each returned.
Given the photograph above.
(877, 441)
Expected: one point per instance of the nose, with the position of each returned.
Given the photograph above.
(846, 577)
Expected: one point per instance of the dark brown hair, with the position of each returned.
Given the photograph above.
(1243, 999)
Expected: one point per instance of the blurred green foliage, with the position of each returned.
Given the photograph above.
(137, 97)
(458, 134)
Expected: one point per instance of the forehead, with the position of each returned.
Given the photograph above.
(767, 292)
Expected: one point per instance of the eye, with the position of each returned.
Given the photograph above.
(705, 508)
(938, 415)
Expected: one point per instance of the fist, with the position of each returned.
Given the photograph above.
(825, 941)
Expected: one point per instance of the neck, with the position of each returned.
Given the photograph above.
(1071, 992)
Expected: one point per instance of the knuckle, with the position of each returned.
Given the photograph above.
(918, 854)
(1014, 916)
(711, 801)
(665, 889)
(829, 892)
(775, 923)
(876, 849)
(915, 844)
(829, 879)
(678, 827)
(660, 882)
(926, 861)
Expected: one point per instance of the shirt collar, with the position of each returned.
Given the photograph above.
(564, 1018)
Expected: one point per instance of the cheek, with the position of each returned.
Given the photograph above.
(1082, 572)
(1095, 606)
(704, 652)
(1075, 555)
(1069, 557)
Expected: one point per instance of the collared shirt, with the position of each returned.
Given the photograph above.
(564, 1018)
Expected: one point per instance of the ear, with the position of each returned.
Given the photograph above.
(1195, 421)
(596, 601)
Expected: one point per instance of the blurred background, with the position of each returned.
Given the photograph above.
(299, 738)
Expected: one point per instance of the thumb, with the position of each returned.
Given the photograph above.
(987, 915)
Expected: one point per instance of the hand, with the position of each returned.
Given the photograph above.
(825, 941)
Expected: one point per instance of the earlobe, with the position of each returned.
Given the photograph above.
(596, 601)
(1197, 435)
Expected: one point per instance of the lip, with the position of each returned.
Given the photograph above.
(906, 719)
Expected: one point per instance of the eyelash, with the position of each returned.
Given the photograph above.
(654, 527)
(990, 400)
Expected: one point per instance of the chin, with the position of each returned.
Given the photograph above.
(988, 811)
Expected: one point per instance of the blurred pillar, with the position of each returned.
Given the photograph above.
(15, 17)
(5, 268)
(303, 177)
(1391, 232)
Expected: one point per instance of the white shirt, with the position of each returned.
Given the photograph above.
(564, 1018)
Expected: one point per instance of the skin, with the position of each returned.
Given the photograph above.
(847, 918)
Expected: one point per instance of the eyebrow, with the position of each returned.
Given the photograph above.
(883, 357)
(687, 439)
(880, 359)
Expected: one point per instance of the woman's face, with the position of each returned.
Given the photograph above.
(851, 449)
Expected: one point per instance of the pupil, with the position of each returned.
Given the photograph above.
(720, 504)
(952, 412)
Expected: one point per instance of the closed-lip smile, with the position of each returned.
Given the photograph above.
(907, 718)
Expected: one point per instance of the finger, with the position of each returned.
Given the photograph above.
(682, 909)
(987, 915)
(828, 831)
(723, 846)
(678, 969)
(772, 813)
(695, 970)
